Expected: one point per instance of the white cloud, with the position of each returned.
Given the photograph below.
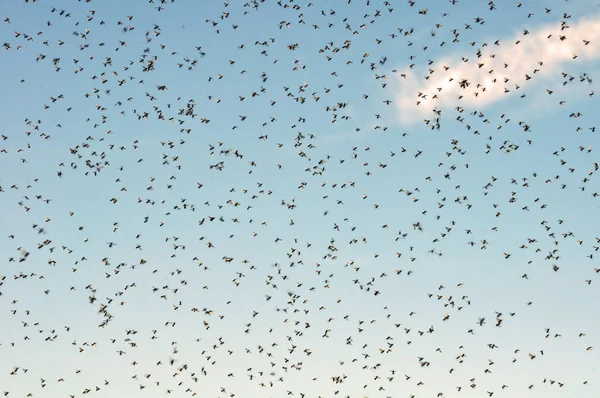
(498, 71)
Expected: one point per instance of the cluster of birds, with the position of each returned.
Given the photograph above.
(292, 198)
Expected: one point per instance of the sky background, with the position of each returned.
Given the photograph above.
(224, 199)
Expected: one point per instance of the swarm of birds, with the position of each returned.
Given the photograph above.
(290, 198)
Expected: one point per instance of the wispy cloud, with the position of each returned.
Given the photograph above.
(501, 68)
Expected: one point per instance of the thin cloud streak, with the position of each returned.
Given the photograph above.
(501, 68)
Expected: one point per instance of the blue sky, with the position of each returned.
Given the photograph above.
(252, 200)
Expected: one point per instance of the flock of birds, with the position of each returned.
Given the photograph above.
(284, 198)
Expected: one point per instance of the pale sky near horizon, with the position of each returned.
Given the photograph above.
(294, 198)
